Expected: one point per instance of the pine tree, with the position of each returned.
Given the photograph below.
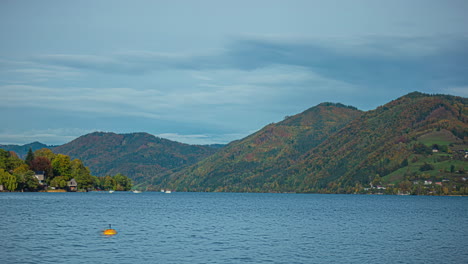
(29, 157)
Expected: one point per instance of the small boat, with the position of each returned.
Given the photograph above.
(111, 191)
(168, 191)
(136, 191)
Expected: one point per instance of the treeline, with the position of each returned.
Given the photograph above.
(58, 169)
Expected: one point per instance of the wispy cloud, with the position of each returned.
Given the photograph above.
(55, 136)
(371, 60)
(202, 139)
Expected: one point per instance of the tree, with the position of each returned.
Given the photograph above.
(9, 160)
(123, 183)
(404, 163)
(405, 186)
(61, 166)
(25, 178)
(426, 167)
(8, 180)
(59, 182)
(376, 180)
(29, 157)
(45, 152)
(40, 163)
(108, 183)
(81, 174)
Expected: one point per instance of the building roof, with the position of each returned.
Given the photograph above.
(72, 183)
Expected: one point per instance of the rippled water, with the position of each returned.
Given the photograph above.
(232, 228)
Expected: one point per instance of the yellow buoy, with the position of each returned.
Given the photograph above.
(110, 231)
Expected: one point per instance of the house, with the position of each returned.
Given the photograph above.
(1, 187)
(40, 175)
(427, 182)
(439, 183)
(72, 185)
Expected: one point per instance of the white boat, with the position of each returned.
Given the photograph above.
(168, 191)
(111, 191)
(136, 191)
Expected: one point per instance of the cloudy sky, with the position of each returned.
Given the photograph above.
(212, 71)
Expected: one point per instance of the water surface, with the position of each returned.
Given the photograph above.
(232, 228)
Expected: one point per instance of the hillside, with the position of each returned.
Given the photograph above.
(332, 148)
(258, 157)
(22, 150)
(136, 155)
(388, 144)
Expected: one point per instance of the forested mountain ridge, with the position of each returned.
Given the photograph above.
(137, 155)
(396, 145)
(263, 154)
(22, 150)
(386, 140)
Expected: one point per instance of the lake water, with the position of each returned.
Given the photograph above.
(232, 228)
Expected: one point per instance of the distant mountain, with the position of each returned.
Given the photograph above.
(136, 155)
(334, 148)
(259, 157)
(22, 150)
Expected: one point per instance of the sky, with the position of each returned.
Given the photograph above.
(213, 71)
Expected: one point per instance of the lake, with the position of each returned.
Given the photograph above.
(232, 228)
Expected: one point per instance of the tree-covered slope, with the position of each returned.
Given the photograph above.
(332, 148)
(137, 155)
(382, 141)
(255, 160)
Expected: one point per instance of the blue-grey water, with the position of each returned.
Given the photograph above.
(232, 228)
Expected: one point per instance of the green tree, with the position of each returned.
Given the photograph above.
(81, 174)
(404, 163)
(45, 152)
(29, 157)
(8, 180)
(26, 180)
(59, 182)
(426, 167)
(9, 161)
(108, 183)
(61, 166)
(122, 182)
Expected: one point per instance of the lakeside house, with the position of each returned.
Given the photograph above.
(72, 185)
(40, 175)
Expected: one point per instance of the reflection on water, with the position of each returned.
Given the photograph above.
(231, 228)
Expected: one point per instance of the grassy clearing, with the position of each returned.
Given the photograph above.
(442, 137)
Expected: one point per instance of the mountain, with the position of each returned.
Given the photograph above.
(386, 143)
(334, 148)
(136, 155)
(22, 150)
(257, 159)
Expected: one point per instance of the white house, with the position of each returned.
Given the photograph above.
(40, 175)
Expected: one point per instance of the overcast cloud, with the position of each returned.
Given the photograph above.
(206, 72)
